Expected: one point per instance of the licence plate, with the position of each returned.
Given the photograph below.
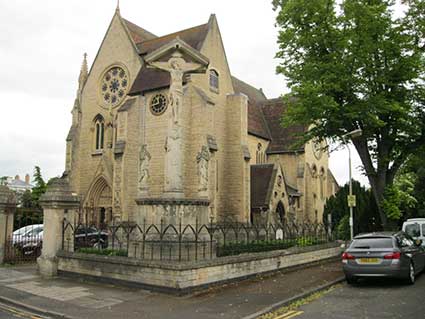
(368, 260)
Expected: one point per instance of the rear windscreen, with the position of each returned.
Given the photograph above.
(413, 230)
(367, 243)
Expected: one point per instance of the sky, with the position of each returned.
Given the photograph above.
(41, 49)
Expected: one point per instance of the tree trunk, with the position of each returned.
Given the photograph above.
(378, 194)
(377, 181)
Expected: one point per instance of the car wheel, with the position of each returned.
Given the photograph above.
(411, 276)
(351, 280)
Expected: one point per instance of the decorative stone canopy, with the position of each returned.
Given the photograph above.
(7, 197)
(178, 44)
(59, 194)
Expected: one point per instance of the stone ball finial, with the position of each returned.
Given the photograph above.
(59, 193)
(7, 196)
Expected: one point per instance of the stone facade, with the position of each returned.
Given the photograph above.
(161, 118)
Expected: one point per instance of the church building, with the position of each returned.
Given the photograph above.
(162, 130)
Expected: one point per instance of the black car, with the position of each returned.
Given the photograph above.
(86, 236)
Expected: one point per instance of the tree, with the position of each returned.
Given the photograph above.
(352, 66)
(365, 213)
(411, 180)
(3, 180)
(40, 186)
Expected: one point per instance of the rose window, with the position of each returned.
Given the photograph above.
(114, 86)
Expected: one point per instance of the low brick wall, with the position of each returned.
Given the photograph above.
(183, 277)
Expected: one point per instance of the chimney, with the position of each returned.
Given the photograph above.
(17, 178)
(27, 179)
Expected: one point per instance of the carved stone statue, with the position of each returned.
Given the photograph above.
(202, 160)
(177, 67)
(174, 162)
(144, 160)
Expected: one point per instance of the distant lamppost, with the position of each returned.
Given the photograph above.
(351, 203)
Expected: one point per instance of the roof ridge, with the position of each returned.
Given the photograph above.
(132, 24)
(170, 34)
(250, 85)
(266, 123)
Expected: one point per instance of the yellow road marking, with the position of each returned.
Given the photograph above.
(17, 313)
(289, 314)
(284, 315)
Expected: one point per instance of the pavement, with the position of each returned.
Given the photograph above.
(22, 288)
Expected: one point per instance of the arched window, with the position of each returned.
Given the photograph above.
(280, 212)
(99, 128)
(259, 157)
(214, 83)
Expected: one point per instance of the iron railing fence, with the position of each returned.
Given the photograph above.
(185, 242)
(24, 244)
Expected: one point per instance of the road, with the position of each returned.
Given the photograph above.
(8, 312)
(377, 299)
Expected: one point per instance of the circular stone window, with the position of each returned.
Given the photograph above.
(158, 104)
(114, 86)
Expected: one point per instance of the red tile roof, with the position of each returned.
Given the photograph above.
(151, 79)
(283, 139)
(137, 33)
(262, 178)
(256, 123)
(193, 36)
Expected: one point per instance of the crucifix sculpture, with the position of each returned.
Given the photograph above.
(177, 66)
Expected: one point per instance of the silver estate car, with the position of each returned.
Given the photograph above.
(383, 255)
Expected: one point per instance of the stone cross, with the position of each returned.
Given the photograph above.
(177, 67)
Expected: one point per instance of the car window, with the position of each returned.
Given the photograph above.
(34, 232)
(423, 230)
(413, 230)
(372, 242)
(405, 241)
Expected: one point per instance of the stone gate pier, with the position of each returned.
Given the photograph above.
(58, 202)
(7, 209)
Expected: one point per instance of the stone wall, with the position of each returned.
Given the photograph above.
(183, 277)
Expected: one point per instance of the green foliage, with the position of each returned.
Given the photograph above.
(399, 200)
(410, 186)
(103, 252)
(365, 213)
(39, 188)
(3, 180)
(25, 216)
(353, 64)
(343, 228)
(391, 203)
(239, 247)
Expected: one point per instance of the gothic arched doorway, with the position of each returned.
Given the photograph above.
(280, 212)
(99, 203)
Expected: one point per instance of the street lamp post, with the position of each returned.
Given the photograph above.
(352, 134)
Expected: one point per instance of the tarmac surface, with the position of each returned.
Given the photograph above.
(377, 298)
(70, 298)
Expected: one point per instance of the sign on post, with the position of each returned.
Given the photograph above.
(351, 199)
